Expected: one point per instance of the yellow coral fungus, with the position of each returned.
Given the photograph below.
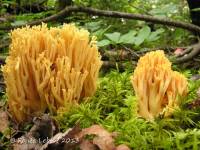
(156, 85)
(49, 68)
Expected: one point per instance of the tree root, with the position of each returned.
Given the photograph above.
(188, 54)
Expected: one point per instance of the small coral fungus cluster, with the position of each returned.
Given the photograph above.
(49, 68)
(157, 87)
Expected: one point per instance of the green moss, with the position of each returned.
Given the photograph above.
(114, 106)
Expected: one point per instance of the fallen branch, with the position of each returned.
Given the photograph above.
(113, 14)
(116, 14)
(119, 55)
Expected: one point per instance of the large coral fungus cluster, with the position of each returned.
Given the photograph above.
(49, 68)
(157, 87)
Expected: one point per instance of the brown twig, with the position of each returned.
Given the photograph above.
(113, 14)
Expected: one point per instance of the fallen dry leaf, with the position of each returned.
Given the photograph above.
(63, 141)
(122, 147)
(4, 123)
(103, 138)
(69, 140)
(87, 145)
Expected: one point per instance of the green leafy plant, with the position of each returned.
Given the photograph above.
(132, 37)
